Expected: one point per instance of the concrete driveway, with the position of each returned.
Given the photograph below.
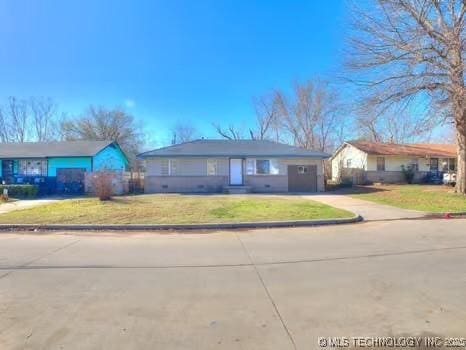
(262, 289)
(370, 211)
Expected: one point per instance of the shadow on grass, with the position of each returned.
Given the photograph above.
(122, 201)
(359, 189)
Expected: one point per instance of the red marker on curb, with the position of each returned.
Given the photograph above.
(447, 216)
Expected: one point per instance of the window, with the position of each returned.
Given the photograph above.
(173, 167)
(168, 167)
(452, 162)
(211, 167)
(262, 166)
(348, 163)
(164, 167)
(444, 163)
(31, 167)
(433, 164)
(303, 169)
(414, 164)
(380, 163)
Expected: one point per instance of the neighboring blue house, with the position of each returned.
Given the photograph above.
(58, 166)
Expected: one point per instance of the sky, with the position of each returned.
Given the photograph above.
(195, 61)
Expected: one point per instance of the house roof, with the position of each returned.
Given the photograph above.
(393, 149)
(233, 148)
(52, 149)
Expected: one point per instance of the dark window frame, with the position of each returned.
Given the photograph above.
(380, 163)
(266, 169)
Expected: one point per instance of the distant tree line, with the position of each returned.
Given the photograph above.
(38, 119)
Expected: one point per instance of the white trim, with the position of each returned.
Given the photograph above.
(236, 178)
(215, 164)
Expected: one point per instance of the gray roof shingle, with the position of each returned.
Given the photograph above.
(52, 149)
(233, 148)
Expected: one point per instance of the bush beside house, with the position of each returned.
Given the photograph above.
(21, 191)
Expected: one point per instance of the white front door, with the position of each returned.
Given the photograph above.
(236, 171)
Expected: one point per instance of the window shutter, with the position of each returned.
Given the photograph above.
(251, 166)
(173, 167)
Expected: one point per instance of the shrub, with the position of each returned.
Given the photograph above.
(102, 184)
(20, 191)
(408, 173)
(346, 181)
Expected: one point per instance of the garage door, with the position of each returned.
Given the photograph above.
(302, 178)
(70, 181)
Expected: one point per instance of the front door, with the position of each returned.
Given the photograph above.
(7, 171)
(433, 164)
(236, 171)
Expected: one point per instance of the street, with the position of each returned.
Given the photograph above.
(250, 289)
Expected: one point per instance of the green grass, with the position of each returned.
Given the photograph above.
(428, 198)
(175, 209)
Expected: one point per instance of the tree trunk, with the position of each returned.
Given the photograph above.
(461, 163)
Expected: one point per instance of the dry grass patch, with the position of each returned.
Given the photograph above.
(429, 198)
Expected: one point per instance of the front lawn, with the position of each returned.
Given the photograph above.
(429, 198)
(175, 209)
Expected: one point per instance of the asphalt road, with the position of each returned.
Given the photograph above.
(262, 289)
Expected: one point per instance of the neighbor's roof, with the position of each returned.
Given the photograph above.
(52, 149)
(233, 148)
(393, 149)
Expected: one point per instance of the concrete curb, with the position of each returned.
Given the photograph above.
(447, 215)
(180, 227)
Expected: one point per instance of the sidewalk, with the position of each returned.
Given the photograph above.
(370, 211)
(25, 204)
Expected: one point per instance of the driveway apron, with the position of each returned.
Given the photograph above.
(370, 211)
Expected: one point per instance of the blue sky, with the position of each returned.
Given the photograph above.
(166, 61)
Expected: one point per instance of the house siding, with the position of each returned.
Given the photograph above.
(110, 158)
(359, 160)
(394, 163)
(367, 166)
(267, 183)
(66, 163)
(187, 166)
(392, 176)
(191, 176)
(184, 184)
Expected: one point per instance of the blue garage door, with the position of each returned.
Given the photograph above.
(70, 181)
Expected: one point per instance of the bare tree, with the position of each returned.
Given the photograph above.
(268, 124)
(18, 119)
(28, 120)
(229, 133)
(368, 129)
(103, 124)
(184, 132)
(44, 119)
(312, 117)
(5, 135)
(412, 52)
(401, 127)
